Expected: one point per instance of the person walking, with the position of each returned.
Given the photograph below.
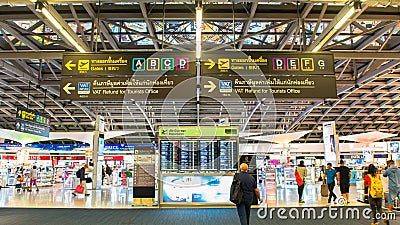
(82, 179)
(302, 170)
(249, 186)
(371, 181)
(103, 174)
(108, 174)
(33, 175)
(343, 178)
(323, 175)
(330, 174)
(393, 173)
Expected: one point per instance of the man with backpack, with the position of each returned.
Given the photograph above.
(248, 186)
(393, 173)
(375, 190)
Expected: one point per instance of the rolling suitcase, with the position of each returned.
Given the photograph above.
(324, 190)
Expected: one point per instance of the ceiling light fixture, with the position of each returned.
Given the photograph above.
(199, 21)
(339, 24)
(40, 7)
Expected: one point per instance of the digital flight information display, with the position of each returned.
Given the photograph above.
(228, 155)
(169, 155)
(189, 155)
(208, 155)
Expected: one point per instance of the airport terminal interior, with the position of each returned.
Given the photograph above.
(161, 101)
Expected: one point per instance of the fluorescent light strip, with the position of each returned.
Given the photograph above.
(199, 20)
(338, 25)
(344, 18)
(58, 26)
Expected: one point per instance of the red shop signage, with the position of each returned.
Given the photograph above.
(68, 157)
(9, 157)
(115, 157)
(39, 157)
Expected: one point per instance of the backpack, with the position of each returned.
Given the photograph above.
(236, 193)
(376, 188)
(78, 173)
(108, 170)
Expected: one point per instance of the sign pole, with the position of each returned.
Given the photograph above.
(98, 152)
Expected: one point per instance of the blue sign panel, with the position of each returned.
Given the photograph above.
(394, 147)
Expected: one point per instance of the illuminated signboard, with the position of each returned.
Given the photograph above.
(192, 189)
(127, 63)
(269, 63)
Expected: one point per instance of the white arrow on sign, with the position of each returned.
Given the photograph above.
(211, 86)
(67, 88)
(69, 65)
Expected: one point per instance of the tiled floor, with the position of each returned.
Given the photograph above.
(118, 197)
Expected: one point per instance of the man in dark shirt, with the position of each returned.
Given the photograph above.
(343, 179)
(249, 186)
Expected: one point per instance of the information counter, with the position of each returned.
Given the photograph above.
(197, 165)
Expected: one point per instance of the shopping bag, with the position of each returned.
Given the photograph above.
(324, 190)
(79, 189)
(299, 180)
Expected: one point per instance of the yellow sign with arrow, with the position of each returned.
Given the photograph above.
(69, 65)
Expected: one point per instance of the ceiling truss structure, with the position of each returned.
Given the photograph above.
(367, 63)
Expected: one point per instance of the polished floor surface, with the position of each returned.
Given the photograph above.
(183, 216)
(117, 197)
(288, 197)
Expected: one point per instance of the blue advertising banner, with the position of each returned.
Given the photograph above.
(394, 147)
(71, 147)
(209, 189)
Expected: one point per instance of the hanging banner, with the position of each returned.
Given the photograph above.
(32, 122)
(331, 142)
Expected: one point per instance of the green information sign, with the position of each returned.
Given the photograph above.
(198, 131)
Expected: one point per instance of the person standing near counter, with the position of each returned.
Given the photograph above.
(33, 175)
(249, 186)
(393, 173)
(302, 170)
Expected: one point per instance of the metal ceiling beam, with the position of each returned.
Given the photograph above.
(103, 29)
(291, 29)
(248, 23)
(149, 24)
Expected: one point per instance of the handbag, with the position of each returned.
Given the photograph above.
(299, 180)
(79, 189)
(236, 193)
(89, 180)
(324, 190)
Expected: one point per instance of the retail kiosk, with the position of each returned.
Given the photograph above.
(197, 164)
